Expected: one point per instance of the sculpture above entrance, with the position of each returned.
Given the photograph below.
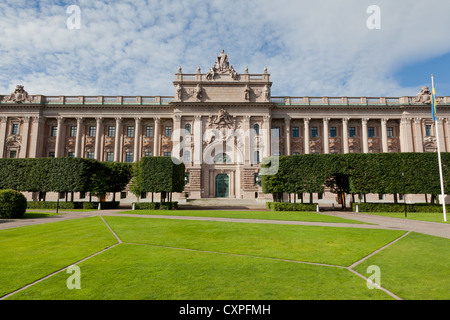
(222, 83)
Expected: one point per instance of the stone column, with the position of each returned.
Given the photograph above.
(137, 139)
(156, 137)
(306, 123)
(418, 137)
(267, 136)
(3, 124)
(247, 137)
(440, 128)
(117, 138)
(34, 136)
(198, 140)
(98, 137)
(365, 141)
(287, 124)
(78, 153)
(345, 134)
(384, 139)
(25, 133)
(176, 135)
(406, 142)
(326, 136)
(59, 149)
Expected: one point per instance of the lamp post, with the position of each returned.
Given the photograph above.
(404, 196)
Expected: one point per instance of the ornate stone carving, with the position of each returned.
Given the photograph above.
(19, 95)
(222, 66)
(424, 96)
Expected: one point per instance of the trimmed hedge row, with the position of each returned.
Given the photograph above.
(71, 205)
(392, 207)
(156, 205)
(285, 206)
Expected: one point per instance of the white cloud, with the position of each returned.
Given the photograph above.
(135, 47)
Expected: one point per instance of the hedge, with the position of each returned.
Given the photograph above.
(71, 205)
(13, 204)
(155, 205)
(286, 206)
(392, 207)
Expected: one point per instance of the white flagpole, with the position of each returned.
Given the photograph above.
(440, 161)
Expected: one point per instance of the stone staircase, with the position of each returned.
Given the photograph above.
(223, 203)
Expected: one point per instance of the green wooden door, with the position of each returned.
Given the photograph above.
(222, 186)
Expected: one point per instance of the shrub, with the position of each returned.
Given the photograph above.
(399, 207)
(287, 206)
(13, 204)
(155, 205)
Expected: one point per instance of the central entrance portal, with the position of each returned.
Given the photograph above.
(222, 186)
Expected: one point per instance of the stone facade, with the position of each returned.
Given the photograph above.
(221, 124)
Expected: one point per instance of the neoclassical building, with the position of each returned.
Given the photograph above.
(221, 124)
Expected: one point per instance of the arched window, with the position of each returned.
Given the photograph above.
(222, 158)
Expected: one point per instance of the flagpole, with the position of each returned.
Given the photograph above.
(433, 97)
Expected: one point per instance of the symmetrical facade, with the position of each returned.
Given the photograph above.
(221, 124)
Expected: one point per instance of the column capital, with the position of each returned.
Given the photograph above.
(79, 119)
(157, 119)
(345, 120)
(26, 119)
(417, 120)
(137, 119)
(60, 120)
(4, 119)
(198, 118)
(306, 120)
(384, 121)
(364, 120)
(118, 119)
(326, 120)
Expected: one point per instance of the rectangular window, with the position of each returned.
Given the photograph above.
(149, 132)
(187, 156)
(333, 132)
(71, 154)
(314, 132)
(371, 132)
(73, 131)
(168, 131)
(187, 178)
(167, 154)
(54, 131)
(352, 132)
(129, 157)
(13, 154)
(130, 131)
(51, 154)
(82, 195)
(123, 195)
(148, 154)
(111, 131)
(15, 128)
(295, 132)
(428, 130)
(90, 155)
(109, 156)
(390, 132)
(276, 132)
(92, 131)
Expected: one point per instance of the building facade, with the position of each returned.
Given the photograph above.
(221, 124)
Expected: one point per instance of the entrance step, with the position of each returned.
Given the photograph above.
(224, 203)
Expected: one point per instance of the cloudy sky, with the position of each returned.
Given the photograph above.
(310, 47)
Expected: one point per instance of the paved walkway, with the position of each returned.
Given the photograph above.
(378, 222)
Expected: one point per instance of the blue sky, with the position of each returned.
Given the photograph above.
(310, 47)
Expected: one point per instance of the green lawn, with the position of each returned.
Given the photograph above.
(207, 260)
(329, 245)
(417, 267)
(266, 215)
(422, 216)
(37, 214)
